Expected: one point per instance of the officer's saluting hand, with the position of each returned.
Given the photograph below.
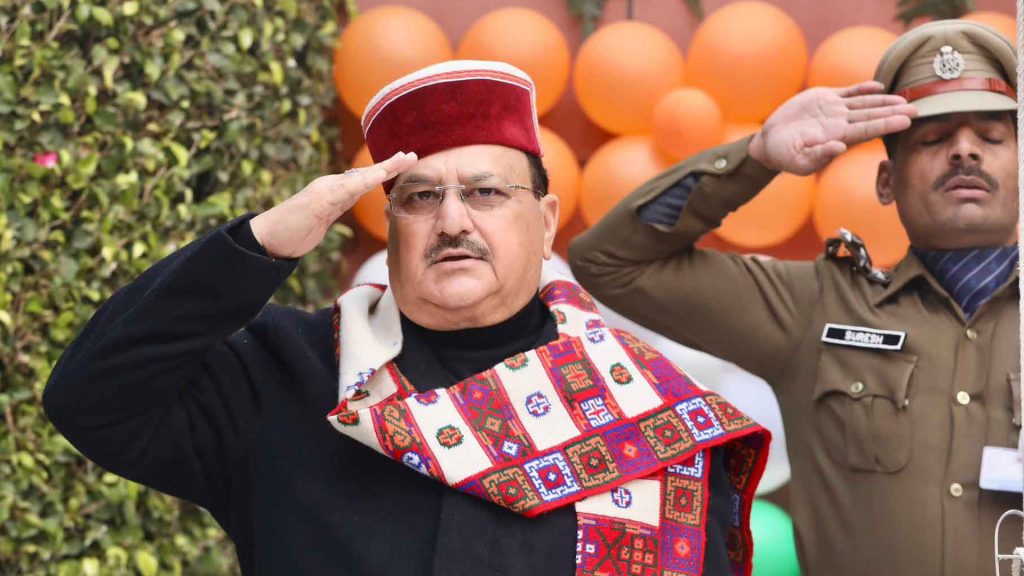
(810, 129)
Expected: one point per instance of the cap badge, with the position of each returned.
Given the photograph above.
(948, 63)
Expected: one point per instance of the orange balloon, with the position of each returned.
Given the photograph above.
(849, 56)
(735, 131)
(622, 71)
(563, 173)
(382, 45)
(750, 57)
(846, 198)
(527, 40)
(1004, 23)
(687, 121)
(614, 170)
(775, 215)
(370, 209)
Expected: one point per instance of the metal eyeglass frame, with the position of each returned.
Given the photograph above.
(461, 188)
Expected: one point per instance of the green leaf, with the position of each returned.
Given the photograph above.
(152, 69)
(245, 39)
(90, 566)
(67, 267)
(180, 153)
(146, 563)
(110, 66)
(82, 12)
(138, 249)
(910, 10)
(276, 72)
(588, 12)
(176, 36)
(134, 98)
(66, 116)
(351, 9)
(87, 165)
(130, 8)
(102, 16)
(126, 179)
(23, 34)
(696, 8)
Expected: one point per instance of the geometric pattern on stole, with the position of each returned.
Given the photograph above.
(586, 395)
(669, 542)
(483, 403)
(612, 466)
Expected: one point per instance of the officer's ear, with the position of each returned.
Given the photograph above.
(883, 183)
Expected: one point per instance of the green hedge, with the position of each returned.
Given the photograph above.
(166, 119)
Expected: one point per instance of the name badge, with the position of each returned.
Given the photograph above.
(862, 337)
(1001, 469)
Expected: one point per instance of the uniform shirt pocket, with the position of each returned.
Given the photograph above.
(860, 407)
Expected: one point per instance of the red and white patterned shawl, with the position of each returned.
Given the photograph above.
(596, 419)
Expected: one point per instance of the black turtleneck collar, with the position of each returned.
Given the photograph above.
(438, 359)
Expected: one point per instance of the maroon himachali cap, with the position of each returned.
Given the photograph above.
(452, 104)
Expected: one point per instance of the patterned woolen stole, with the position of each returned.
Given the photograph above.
(596, 419)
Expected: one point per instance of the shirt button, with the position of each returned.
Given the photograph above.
(721, 163)
(857, 387)
(956, 489)
(963, 398)
(972, 334)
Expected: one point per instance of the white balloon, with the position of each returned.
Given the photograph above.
(702, 367)
(558, 264)
(373, 271)
(616, 320)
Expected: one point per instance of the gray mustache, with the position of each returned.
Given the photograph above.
(446, 242)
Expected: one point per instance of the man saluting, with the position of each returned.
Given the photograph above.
(891, 382)
(519, 434)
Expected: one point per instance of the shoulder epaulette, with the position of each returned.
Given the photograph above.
(849, 245)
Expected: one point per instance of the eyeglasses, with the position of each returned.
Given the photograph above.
(424, 199)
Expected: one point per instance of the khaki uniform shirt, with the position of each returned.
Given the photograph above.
(885, 445)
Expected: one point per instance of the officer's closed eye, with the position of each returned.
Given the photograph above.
(994, 132)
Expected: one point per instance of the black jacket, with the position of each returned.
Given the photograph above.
(186, 381)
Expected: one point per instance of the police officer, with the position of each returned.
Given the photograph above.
(891, 383)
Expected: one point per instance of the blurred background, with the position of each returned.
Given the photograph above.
(129, 128)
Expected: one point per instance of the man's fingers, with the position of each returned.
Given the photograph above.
(396, 164)
(341, 190)
(865, 114)
(368, 178)
(869, 87)
(824, 153)
(359, 181)
(873, 101)
(864, 131)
